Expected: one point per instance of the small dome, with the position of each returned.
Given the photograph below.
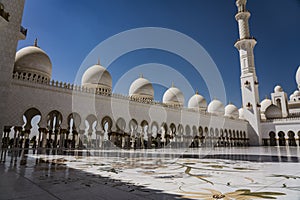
(272, 112)
(241, 113)
(33, 60)
(231, 111)
(296, 93)
(173, 96)
(278, 88)
(216, 107)
(197, 102)
(298, 77)
(96, 77)
(141, 88)
(265, 104)
(295, 96)
(292, 96)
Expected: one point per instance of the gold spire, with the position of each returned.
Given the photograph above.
(197, 92)
(141, 75)
(172, 84)
(98, 61)
(35, 42)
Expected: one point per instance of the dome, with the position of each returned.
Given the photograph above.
(292, 96)
(216, 107)
(33, 60)
(241, 113)
(96, 77)
(296, 93)
(197, 102)
(295, 96)
(265, 104)
(173, 96)
(298, 77)
(278, 88)
(231, 111)
(273, 112)
(141, 88)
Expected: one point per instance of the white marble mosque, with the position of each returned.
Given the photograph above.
(27, 90)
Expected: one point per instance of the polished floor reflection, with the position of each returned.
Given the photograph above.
(220, 173)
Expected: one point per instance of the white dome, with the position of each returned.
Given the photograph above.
(296, 93)
(231, 111)
(216, 107)
(197, 101)
(142, 88)
(173, 96)
(241, 113)
(295, 96)
(96, 77)
(292, 96)
(273, 112)
(33, 60)
(265, 104)
(278, 88)
(298, 77)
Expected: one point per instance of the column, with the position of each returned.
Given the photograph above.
(44, 138)
(149, 143)
(81, 135)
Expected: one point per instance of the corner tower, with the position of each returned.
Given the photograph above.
(249, 82)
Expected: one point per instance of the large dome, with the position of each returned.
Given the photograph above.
(273, 112)
(197, 102)
(141, 88)
(231, 111)
(96, 77)
(298, 77)
(216, 107)
(173, 96)
(33, 60)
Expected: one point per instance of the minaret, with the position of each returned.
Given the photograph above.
(10, 33)
(249, 82)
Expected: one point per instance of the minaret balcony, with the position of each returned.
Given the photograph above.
(245, 15)
(22, 33)
(242, 41)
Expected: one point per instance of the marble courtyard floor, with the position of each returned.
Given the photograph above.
(219, 173)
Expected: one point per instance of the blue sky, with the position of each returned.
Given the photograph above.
(69, 29)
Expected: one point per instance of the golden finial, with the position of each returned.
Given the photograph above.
(141, 75)
(35, 42)
(98, 61)
(197, 92)
(172, 84)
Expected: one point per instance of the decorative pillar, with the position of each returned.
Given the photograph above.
(75, 139)
(149, 143)
(16, 133)
(56, 131)
(134, 133)
(81, 137)
(62, 137)
(26, 137)
(43, 143)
